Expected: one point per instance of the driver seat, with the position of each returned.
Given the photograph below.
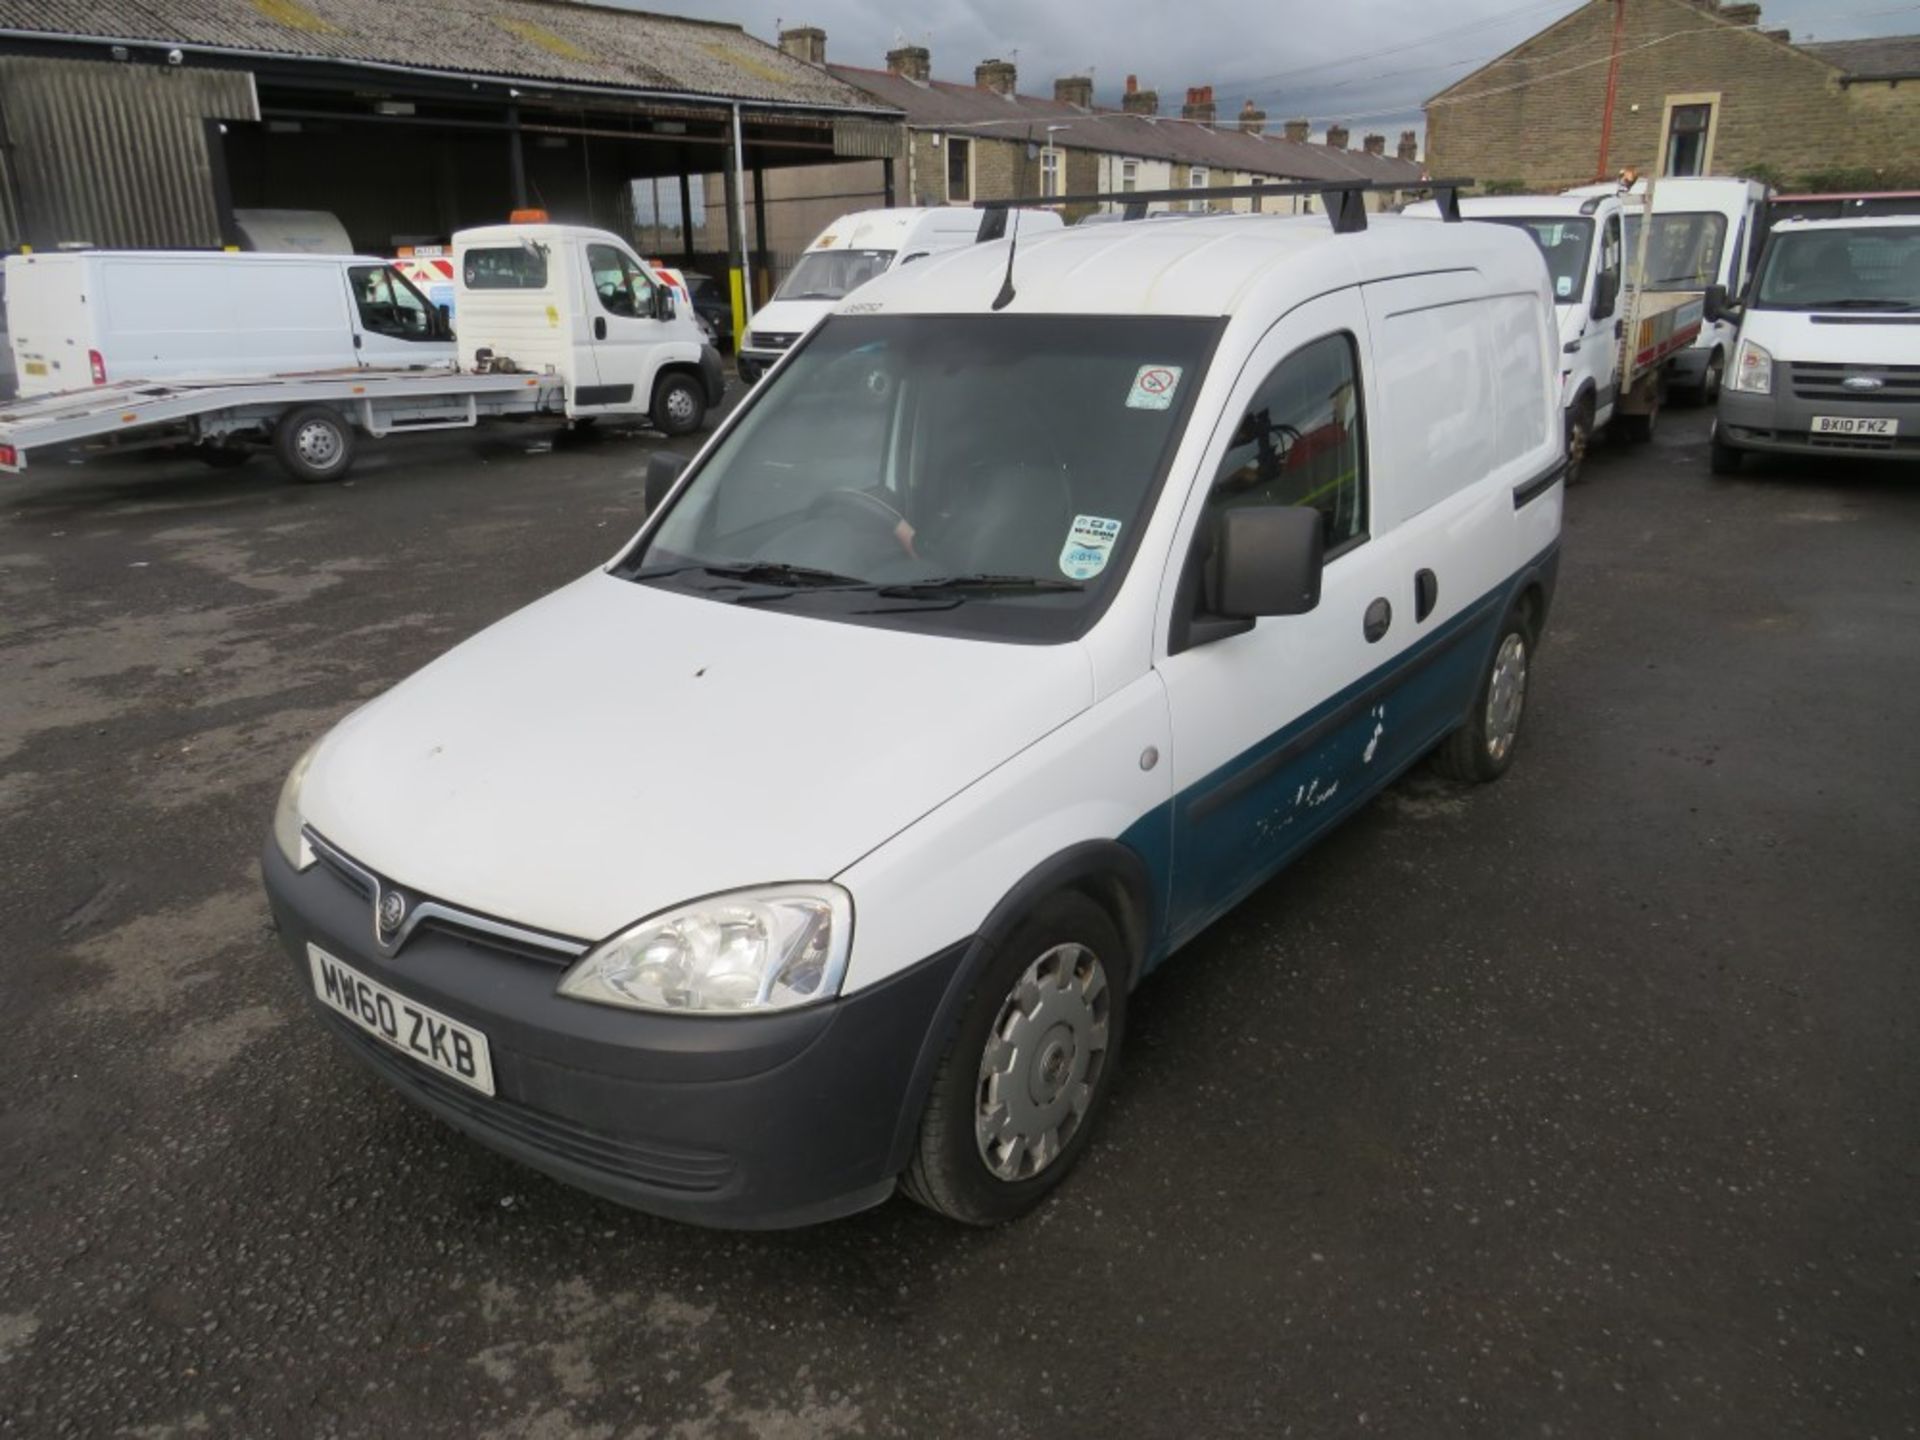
(1010, 517)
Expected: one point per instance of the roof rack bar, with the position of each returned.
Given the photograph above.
(1344, 200)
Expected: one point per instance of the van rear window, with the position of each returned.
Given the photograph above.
(510, 267)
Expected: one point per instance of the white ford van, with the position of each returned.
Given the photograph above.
(90, 317)
(1034, 612)
(853, 250)
(1828, 359)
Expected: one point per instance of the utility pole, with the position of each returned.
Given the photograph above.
(1613, 89)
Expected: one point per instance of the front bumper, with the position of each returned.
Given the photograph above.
(751, 1122)
(1782, 424)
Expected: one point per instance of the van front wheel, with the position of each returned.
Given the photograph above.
(679, 404)
(314, 444)
(1013, 1103)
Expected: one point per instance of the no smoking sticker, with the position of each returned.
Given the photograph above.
(1153, 387)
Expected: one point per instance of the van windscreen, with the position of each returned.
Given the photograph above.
(832, 274)
(1565, 243)
(985, 475)
(1858, 268)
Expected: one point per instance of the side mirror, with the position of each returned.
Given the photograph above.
(663, 304)
(1718, 306)
(1267, 560)
(663, 471)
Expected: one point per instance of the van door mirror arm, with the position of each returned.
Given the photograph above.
(1262, 560)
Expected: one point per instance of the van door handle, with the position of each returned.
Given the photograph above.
(1426, 594)
(1379, 618)
(599, 327)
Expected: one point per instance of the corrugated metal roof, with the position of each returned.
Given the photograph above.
(534, 40)
(939, 104)
(1892, 57)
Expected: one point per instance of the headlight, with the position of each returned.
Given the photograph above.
(286, 814)
(1752, 370)
(772, 948)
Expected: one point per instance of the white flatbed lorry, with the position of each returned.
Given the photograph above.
(557, 321)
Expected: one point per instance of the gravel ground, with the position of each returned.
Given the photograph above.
(1585, 1104)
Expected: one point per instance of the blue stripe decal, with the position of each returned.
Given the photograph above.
(1231, 832)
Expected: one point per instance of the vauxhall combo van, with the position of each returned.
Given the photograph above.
(1035, 610)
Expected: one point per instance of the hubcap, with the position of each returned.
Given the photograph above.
(1042, 1059)
(1506, 695)
(318, 444)
(679, 404)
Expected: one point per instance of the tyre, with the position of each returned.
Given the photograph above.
(1013, 1104)
(1579, 438)
(1709, 391)
(1723, 458)
(1639, 428)
(679, 404)
(314, 443)
(1482, 749)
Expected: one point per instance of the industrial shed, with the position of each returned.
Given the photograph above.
(150, 122)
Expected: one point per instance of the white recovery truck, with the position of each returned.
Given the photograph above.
(1617, 340)
(556, 321)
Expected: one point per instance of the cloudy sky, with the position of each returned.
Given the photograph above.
(1362, 61)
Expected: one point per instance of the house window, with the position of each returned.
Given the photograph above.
(1129, 174)
(959, 170)
(1689, 128)
(1049, 172)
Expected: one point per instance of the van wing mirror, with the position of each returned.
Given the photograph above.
(1719, 306)
(663, 472)
(663, 305)
(1267, 560)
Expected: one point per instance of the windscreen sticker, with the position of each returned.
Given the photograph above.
(1090, 542)
(1153, 387)
(1564, 286)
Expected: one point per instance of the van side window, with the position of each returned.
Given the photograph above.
(1301, 442)
(1608, 288)
(388, 305)
(623, 287)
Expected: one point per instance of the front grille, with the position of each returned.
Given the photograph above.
(770, 339)
(645, 1162)
(1899, 384)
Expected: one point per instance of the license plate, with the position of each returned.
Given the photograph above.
(1851, 425)
(36, 367)
(428, 1036)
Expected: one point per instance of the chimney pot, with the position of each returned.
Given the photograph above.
(1139, 102)
(1409, 145)
(1199, 104)
(1075, 90)
(805, 42)
(995, 75)
(1375, 144)
(1298, 131)
(911, 62)
(1336, 137)
(1252, 120)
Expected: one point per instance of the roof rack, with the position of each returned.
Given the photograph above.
(1344, 199)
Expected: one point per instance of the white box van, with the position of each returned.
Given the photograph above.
(853, 250)
(1033, 612)
(1828, 357)
(91, 317)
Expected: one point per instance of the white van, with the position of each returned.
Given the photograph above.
(577, 302)
(1026, 619)
(1828, 357)
(853, 250)
(91, 317)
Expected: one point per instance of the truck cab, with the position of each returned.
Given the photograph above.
(1582, 239)
(1828, 357)
(578, 303)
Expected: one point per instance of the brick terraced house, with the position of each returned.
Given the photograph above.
(1704, 89)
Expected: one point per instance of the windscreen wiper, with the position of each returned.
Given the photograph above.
(1856, 302)
(966, 584)
(762, 572)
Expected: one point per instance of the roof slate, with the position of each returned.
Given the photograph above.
(942, 105)
(534, 40)
(1891, 57)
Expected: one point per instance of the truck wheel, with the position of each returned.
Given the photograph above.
(314, 443)
(1481, 750)
(679, 404)
(1579, 438)
(1710, 381)
(1639, 428)
(1723, 458)
(1013, 1103)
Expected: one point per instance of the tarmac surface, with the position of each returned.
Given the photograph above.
(1585, 1104)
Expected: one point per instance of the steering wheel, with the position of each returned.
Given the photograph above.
(868, 510)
